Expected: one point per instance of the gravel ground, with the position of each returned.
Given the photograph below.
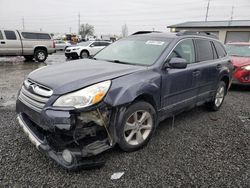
(208, 149)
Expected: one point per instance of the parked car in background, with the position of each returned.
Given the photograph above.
(85, 49)
(28, 44)
(61, 44)
(75, 111)
(240, 54)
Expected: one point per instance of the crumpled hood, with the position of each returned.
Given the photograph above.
(74, 75)
(240, 61)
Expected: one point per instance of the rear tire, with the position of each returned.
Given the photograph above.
(217, 101)
(40, 55)
(137, 126)
(28, 57)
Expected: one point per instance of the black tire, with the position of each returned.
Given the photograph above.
(40, 55)
(138, 107)
(215, 105)
(84, 54)
(28, 57)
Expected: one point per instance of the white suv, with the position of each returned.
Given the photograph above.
(85, 49)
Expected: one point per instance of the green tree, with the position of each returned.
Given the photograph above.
(86, 30)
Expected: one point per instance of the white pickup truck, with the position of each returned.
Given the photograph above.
(28, 44)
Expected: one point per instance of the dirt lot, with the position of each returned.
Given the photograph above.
(202, 148)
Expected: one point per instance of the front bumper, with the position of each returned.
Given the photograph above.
(237, 82)
(85, 142)
(71, 54)
(42, 145)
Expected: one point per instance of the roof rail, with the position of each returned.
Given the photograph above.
(200, 33)
(145, 32)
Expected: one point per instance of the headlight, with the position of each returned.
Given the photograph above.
(84, 97)
(246, 67)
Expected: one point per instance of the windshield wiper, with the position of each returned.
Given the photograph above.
(117, 61)
(235, 55)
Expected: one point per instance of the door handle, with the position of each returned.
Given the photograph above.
(218, 67)
(2, 42)
(196, 72)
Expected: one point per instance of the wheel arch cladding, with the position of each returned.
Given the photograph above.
(225, 75)
(144, 85)
(41, 48)
(226, 80)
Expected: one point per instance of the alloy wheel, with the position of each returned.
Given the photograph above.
(219, 96)
(41, 56)
(138, 127)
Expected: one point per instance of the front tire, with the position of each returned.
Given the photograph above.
(219, 97)
(40, 55)
(137, 126)
(84, 54)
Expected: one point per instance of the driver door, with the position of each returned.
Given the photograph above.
(180, 86)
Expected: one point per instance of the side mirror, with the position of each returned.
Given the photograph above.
(91, 46)
(177, 63)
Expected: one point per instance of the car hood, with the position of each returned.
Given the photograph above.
(74, 75)
(75, 46)
(240, 61)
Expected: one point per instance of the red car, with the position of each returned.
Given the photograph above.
(240, 53)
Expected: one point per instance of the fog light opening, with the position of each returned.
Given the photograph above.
(67, 156)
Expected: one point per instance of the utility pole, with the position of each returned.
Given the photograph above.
(232, 13)
(23, 22)
(208, 6)
(79, 22)
(70, 30)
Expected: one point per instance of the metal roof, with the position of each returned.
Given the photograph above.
(212, 24)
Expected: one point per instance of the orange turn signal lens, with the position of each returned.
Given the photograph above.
(98, 97)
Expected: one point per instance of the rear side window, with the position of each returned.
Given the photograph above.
(1, 35)
(220, 49)
(28, 35)
(10, 35)
(205, 51)
(185, 50)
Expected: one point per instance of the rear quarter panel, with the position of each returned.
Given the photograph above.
(30, 44)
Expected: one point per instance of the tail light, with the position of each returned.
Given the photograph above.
(53, 44)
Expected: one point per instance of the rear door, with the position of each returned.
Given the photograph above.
(13, 44)
(180, 86)
(209, 66)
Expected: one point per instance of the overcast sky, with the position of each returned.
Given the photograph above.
(108, 16)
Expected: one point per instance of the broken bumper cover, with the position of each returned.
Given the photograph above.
(41, 144)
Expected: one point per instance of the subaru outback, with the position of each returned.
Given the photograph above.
(73, 112)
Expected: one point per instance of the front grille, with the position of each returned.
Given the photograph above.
(34, 96)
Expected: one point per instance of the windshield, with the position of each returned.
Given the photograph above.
(138, 51)
(238, 50)
(84, 43)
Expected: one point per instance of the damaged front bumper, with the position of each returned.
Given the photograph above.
(73, 139)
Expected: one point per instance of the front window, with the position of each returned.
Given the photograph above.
(185, 50)
(138, 51)
(238, 50)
